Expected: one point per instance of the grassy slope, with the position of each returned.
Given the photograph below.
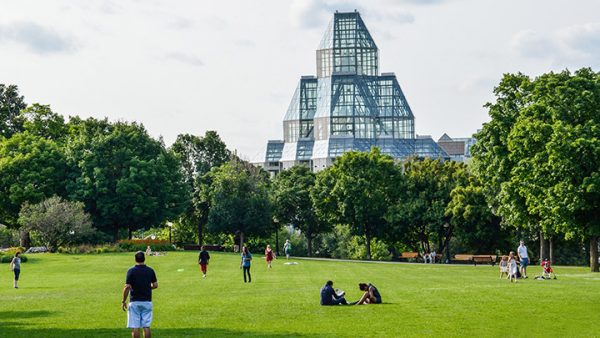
(79, 296)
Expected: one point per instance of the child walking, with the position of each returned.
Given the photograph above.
(503, 266)
(512, 267)
(269, 256)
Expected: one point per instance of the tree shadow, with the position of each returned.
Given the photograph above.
(20, 331)
(23, 314)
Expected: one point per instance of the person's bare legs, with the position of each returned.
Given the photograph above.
(135, 333)
(147, 333)
(365, 299)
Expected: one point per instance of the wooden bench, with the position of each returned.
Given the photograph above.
(409, 255)
(207, 247)
(463, 258)
(485, 259)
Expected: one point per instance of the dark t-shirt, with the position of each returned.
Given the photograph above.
(203, 257)
(328, 295)
(140, 277)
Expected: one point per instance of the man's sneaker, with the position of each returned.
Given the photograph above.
(203, 276)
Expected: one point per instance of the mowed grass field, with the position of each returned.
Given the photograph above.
(80, 295)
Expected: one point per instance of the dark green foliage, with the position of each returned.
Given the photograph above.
(238, 195)
(126, 178)
(197, 155)
(292, 204)
(32, 168)
(419, 214)
(358, 190)
(11, 103)
(539, 156)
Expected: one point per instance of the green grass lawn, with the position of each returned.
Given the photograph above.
(80, 295)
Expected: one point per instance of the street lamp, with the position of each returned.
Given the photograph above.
(170, 225)
(447, 227)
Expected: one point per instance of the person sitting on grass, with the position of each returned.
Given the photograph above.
(371, 295)
(503, 266)
(329, 296)
(148, 251)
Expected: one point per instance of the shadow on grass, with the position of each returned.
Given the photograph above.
(20, 331)
(22, 315)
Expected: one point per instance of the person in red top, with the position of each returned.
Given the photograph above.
(269, 255)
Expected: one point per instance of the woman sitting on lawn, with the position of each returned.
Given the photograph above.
(371, 295)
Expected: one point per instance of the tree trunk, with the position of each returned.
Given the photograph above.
(309, 245)
(277, 241)
(25, 239)
(594, 254)
(129, 233)
(543, 247)
(241, 240)
(200, 234)
(115, 233)
(368, 244)
(551, 250)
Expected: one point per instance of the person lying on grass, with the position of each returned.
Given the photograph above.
(371, 295)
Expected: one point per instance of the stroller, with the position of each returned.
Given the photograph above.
(548, 272)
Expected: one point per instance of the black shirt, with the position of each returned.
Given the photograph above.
(140, 277)
(204, 257)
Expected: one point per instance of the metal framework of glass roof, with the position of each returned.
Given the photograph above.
(348, 105)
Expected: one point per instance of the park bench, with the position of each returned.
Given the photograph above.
(409, 256)
(484, 259)
(207, 247)
(463, 258)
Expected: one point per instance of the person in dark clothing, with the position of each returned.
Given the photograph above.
(246, 263)
(203, 260)
(139, 283)
(330, 297)
(371, 295)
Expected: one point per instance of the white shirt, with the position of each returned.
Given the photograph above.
(522, 251)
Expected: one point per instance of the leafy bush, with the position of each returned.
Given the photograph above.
(90, 249)
(133, 245)
(8, 237)
(7, 255)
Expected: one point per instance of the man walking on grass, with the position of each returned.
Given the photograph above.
(139, 283)
(523, 257)
(203, 260)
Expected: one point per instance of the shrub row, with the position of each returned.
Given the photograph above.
(7, 257)
(90, 249)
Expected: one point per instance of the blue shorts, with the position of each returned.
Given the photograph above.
(524, 262)
(139, 315)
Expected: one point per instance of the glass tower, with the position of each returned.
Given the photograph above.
(349, 105)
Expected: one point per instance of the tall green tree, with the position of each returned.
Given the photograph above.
(126, 179)
(358, 190)
(292, 203)
(419, 214)
(58, 222)
(473, 223)
(11, 103)
(539, 156)
(40, 120)
(198, 155)
(238, 195)
(32, 168)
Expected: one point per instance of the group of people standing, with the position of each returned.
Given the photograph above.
(510, 266)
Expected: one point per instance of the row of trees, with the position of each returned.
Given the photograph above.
(534, 171)
(539, 156)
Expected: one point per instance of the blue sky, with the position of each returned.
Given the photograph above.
(232, 66)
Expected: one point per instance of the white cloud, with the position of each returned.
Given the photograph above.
(185, 58)
(37, 38)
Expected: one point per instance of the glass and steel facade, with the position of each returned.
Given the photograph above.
(348, 106)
